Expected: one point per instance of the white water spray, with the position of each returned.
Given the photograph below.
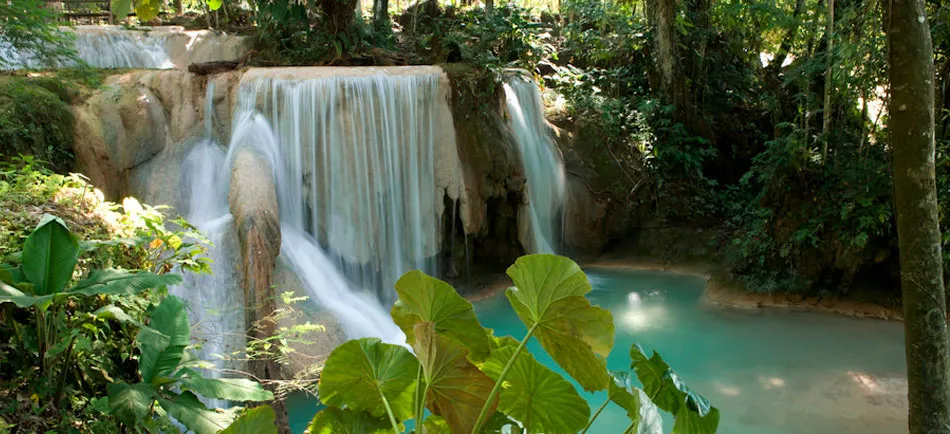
(541, 160)
(358, 156)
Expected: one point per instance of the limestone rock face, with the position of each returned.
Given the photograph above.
(131, 135)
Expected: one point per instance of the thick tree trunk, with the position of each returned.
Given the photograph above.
(827, 113)
(911, 127)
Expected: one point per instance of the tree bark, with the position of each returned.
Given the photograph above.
(911, 127)
(666, 47)
(827, 113)
(380, 14)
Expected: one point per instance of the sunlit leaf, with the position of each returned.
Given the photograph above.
(121, 8)
(456, 389)
(660, 382)
(122, 282)
(187, 409)
(257, 420)
(688, 421)
(640, 410)
(359, 373)
(235, 389)
(214, 5)
(146, 10)
(9, 294)
(535, 395)
(549, 292)
(332, 420)
(423, 298)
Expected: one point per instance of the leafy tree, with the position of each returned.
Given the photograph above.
(30, 30)
(474, 382)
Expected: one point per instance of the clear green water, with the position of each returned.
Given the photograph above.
(768, 371)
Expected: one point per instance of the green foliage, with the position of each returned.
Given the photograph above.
(366, 381)
(35, 119)
(51, 341)
(257, 420)
(167, 378)
(31, 29)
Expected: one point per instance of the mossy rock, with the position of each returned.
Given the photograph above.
(35, 115)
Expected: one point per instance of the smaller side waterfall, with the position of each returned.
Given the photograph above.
(216, 302)
(541, 160)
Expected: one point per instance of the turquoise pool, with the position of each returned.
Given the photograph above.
(768, 371)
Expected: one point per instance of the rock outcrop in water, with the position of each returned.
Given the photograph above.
(253, 203)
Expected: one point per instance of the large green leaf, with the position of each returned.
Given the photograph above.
(549, 294)
(437, 425)
(359, 373)
(122, 282)
(163, 342)
(538, 397)
(688, 421)
(235, 389)
(145, 10)
(215, 4)
(456, 389)
(332, 420)
(9, 294)
(257, 420)
(121, 8)
(423, 298)
(188, 410)
(660, 382)
(640, 409)
(130, 402)
(49, 255)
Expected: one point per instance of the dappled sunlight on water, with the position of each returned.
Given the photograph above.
(768, 371)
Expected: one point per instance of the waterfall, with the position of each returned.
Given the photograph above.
(541, 159)
(102, 47)
(358, 159)
(215, 302)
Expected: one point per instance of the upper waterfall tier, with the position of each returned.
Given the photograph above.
(149, 47)
(368, 155)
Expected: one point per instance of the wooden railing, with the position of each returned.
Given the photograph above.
(83, 11)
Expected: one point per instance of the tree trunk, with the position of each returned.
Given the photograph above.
(827, 113)
(380, 14)
(911, 127)
(666, 54)
(489, 6)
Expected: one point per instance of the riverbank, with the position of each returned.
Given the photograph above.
(722, 289)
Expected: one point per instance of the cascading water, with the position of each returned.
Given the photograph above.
(102, 47)
(358, 154)
(541, 160)
(216, 302)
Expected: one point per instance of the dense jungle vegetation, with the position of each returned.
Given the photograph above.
(763, 123)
